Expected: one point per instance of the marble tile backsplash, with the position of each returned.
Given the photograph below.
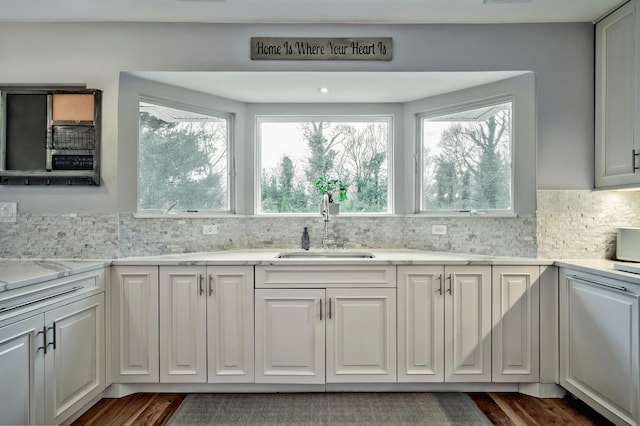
(122, 235)
(69, 236)
(516, 236)
(568, 224)
(582, 224)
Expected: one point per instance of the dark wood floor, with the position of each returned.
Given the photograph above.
(518, 409)
(500, 408)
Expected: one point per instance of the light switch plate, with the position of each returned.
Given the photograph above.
(8, 212)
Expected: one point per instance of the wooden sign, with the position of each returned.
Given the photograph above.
(322, 49)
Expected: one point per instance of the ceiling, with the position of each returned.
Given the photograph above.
(309, 11)
(303, 87)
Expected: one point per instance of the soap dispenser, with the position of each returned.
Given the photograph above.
(305, 239)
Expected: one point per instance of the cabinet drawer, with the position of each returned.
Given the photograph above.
(32, 299)
(323, 276)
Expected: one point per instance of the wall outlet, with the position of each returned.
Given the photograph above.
(438, 229)
(209, 229)
(8, 212)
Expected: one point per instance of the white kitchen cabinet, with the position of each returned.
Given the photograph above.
(444, 324)
(52, 348)
(599, 353)
(468, 324)
(361, 335)
(230, 336)
(360, 327)
(135, 330)
(206, 324)
(290, 336)
(516, 318)
(53, 363)
(420, 324)
(22, 372)
(183, 324)
(618, 98)
(74, 363)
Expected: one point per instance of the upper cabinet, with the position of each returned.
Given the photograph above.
(617, 99)
(49, 136)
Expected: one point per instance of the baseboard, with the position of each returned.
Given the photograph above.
(120, 390)
(422, 387)
(542, 390)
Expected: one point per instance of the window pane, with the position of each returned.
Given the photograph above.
(182, 160)
(467, 160)
(295, 153)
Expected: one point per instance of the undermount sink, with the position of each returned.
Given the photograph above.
(325, 255)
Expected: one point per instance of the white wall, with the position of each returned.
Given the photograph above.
(561, 55)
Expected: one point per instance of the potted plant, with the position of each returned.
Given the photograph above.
(331, 187)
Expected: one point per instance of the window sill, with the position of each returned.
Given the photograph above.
(470, 215)
(191, 215)
(198, 215)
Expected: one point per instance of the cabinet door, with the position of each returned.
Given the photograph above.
(290, 332)
(420, 324)
(183, 322)
(599, 344)
(516, 335)
(22, 372)
(230, 324)
(468, 324)
(134, 344)
(361, 335)
(616, 99)
(74, 364)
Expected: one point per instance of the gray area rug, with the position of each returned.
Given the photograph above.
(329, 409)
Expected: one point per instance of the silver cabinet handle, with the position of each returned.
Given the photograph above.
(450, 289)
(634, 154)
(42, 299)
(201, 279)
(587, 280)
(320, 309)
(439, 290)
(329, 308)
(210, 284)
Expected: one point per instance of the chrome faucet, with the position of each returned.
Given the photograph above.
(326, 217)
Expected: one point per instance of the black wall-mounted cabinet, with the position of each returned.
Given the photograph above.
(50, 136)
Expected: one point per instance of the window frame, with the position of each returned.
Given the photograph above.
(451, 109)
(230, 172)
(259, 118)
(524, 128)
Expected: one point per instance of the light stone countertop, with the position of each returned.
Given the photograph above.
(601, 267)
(16, 273)
(381, 257)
